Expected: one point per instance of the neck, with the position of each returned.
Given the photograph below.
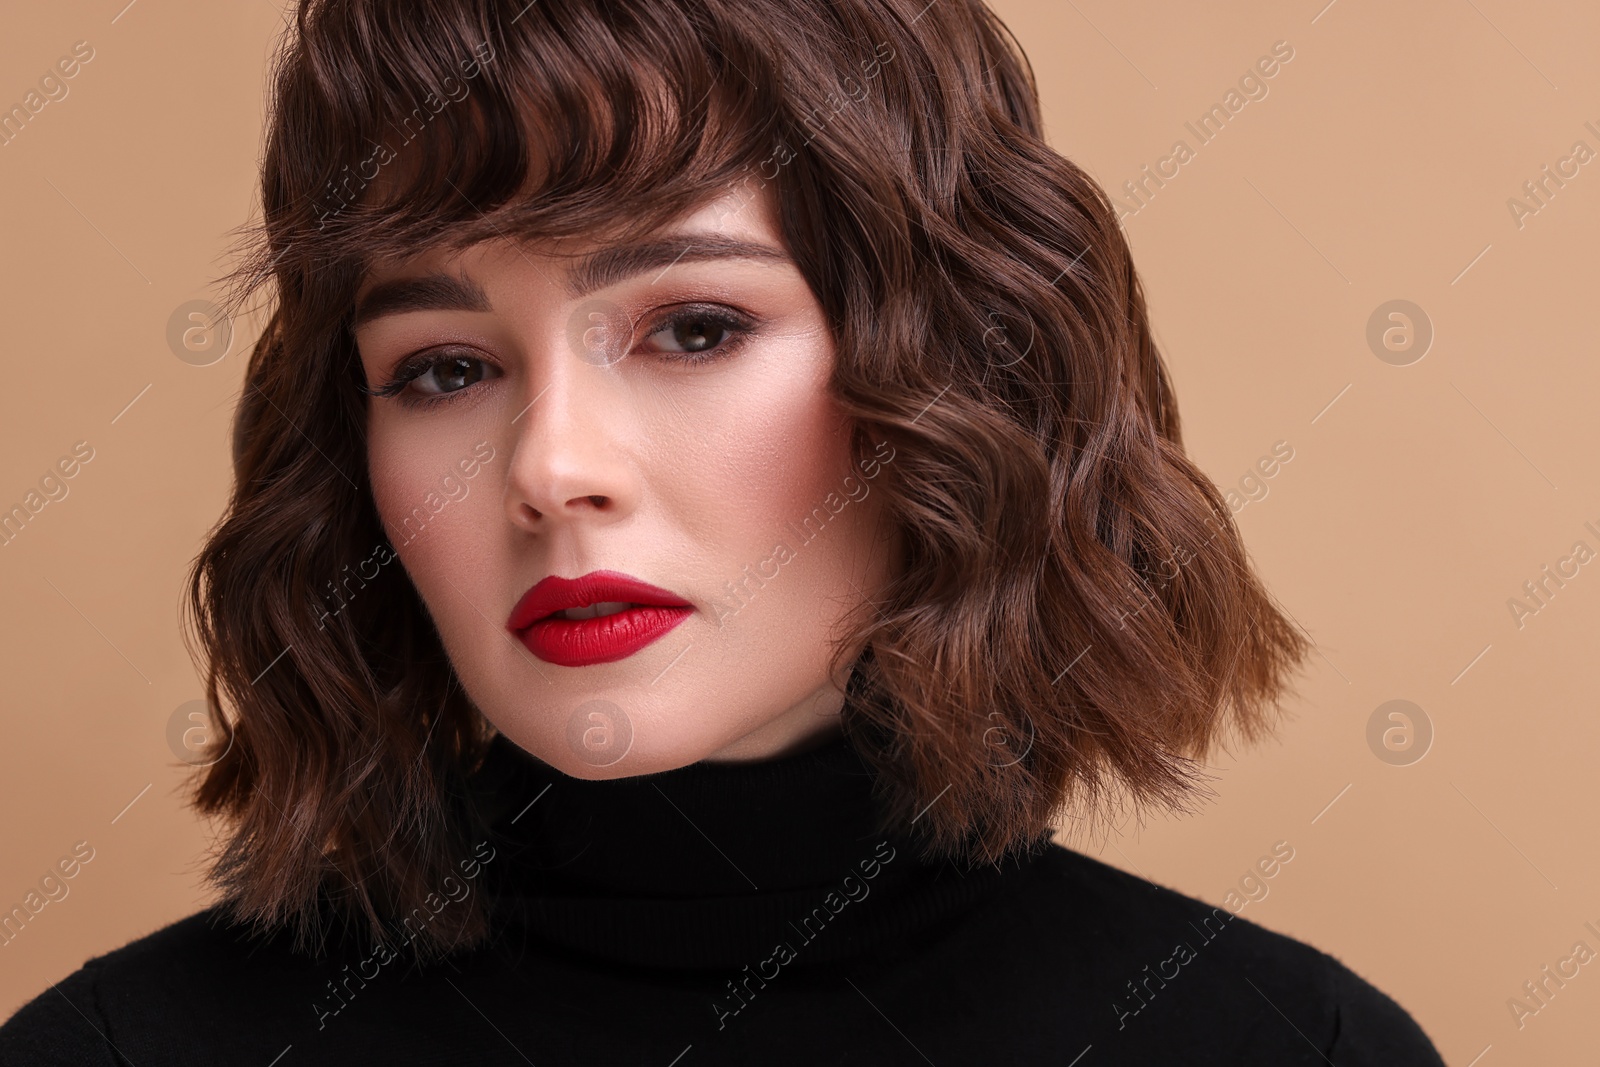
(704, 865)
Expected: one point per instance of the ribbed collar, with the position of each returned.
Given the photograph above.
(712, 864)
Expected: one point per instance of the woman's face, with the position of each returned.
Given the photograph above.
(663, 412)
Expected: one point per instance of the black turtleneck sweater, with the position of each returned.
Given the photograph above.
(737, 914)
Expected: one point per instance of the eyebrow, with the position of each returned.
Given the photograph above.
(444, 292)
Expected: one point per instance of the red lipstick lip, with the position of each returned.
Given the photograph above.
(553, 594)
(604, 638)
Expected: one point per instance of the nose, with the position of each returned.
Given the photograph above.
(568, 460)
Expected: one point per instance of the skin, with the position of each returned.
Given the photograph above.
(678, 474)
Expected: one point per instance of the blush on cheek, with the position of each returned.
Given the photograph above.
(448, 548)
(432, 515)
(810, 519)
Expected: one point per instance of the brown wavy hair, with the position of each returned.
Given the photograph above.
(1076, 620)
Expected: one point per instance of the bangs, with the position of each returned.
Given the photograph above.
(430, 124)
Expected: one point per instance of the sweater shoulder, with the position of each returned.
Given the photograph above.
(1373, 1028)
(61, 1025)
(1133, 910)
(162, 977)
(192, 951)
(1147, 935)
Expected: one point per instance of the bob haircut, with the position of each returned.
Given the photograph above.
(1075, 619)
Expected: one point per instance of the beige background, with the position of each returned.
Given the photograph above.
(1419, 500)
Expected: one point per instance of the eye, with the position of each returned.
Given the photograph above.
(700, 334)
(449, 374)
(693, 334)
(435, 376)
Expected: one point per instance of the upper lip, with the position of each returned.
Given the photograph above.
(554, 593)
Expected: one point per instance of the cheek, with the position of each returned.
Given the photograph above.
(762, 476)
(769, 496)
(790, 463)
(419, 493)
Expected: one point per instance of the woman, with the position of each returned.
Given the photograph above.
(791, 522)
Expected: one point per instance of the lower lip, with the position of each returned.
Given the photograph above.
(580, 642)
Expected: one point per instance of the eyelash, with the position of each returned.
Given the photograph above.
(737, 326)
